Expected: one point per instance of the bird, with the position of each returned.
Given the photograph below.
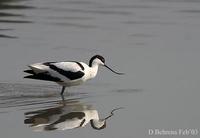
(67, 73)
(71, 115)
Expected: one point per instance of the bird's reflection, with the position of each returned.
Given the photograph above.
(67, 115)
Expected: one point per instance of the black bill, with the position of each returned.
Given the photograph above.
(113, 70)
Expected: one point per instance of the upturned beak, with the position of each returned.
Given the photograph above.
(112, 112)
(113, 70)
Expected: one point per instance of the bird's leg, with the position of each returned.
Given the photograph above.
(63, 100)
(63, 89)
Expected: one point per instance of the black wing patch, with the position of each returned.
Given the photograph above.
(69, 74)
(82, 123)
(69, 116)
(66, 117)
(43, 76)
(48, 63)
(29, 71)
(80, 65)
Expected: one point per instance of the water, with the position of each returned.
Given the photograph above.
(155, 42)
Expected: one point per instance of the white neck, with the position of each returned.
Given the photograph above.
(93, 70)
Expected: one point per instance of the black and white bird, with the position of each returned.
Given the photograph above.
(68, 73)
(65, 117)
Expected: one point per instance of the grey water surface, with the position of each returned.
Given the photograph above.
(155, 42)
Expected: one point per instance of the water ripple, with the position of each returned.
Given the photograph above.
(16, 95)
(105, 12)
(190, 11)
(131, 90)
(9, 10)
(7, 36)
(13, 4)
(69, 18)
(77, 25)
(186, 1)
(3, 14)
(149, 22)
(78, 2)
(113, 6)
(15, 21)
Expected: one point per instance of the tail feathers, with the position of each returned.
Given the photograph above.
(38, 68)
(42, 76)
(29, 71)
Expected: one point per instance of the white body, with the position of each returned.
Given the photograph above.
(72, 67)
(51, 119)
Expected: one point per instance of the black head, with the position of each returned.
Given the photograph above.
(96, 57)
(97, 126)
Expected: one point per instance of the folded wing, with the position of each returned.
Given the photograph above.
(56, 71)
